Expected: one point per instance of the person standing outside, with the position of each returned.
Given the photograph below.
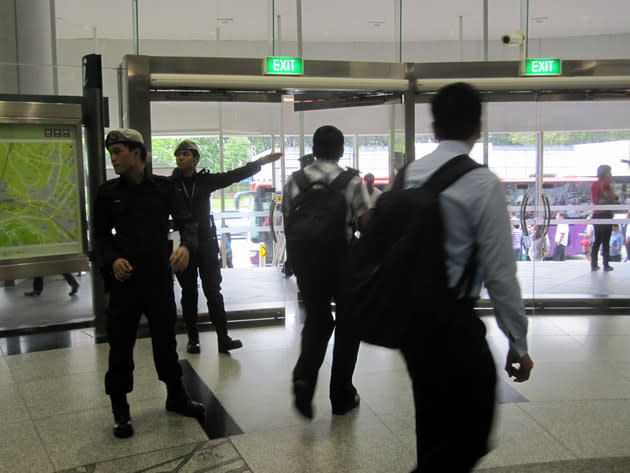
(318, 266)
(131, 224)
(453, 435)
(602, 194)
(373, 192)
(517, 239)
(195, 188)
(616, 243)
(561, 239)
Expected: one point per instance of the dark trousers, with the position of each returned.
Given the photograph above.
(558, 253)
(517, 253)
(205, 264)
(602, 238)
(149, 292)
(318, 271)
(454, 381)
(38, 282)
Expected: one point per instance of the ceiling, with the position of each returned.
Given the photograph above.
(335, 20)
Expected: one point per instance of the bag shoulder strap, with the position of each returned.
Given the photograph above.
(300, 179)
(446, 175)
(399, 179)
(339, 183)
(342, 180)
(450, 172)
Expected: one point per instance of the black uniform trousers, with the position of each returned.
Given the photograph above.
(205, 262)
(454, 381)
(148, 291)
(318, 269)
(602, 238)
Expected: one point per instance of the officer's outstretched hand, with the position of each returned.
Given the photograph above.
(268, 158)
(518, 368)
(122, 269)
(179, 259)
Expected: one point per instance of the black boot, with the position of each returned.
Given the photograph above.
(123, 427)
(178, 400)
(193, 339)
(226, 344)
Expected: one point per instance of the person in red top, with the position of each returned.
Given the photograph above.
(602, 194)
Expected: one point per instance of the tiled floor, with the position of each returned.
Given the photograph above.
(572, 416)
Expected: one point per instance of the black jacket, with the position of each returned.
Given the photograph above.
(196, 191)
(132, 221)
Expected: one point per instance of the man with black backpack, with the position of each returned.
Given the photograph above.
(448, 358)
(321, 204)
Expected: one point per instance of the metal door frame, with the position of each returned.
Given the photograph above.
(144, 79)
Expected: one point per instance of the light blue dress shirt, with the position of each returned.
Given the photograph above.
(474, 210)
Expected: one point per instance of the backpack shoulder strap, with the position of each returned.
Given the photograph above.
(446, 175)
(300, 179)
(342, 180)
(449, 172)
(399, 179)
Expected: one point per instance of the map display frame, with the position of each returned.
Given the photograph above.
(43, 227)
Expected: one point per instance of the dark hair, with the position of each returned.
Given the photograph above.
(456, 112)
(328, 143)
(603, 169)
(131, 145)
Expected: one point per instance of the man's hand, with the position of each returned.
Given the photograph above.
(268, 158)
(122, 269)
(179, 259)
(524, 369)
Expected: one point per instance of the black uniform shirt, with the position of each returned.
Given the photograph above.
(131, 221)
(196, 191)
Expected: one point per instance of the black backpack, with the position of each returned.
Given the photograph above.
(397, 268)
(318, 212)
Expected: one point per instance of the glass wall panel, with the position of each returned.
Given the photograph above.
(571, 163)
(219, 28)
(83, 28)
(451, 32)
(350, 30)
(581, 30)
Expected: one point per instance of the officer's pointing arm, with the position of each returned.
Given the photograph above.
(269, 158)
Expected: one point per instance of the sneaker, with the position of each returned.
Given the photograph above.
(608, 268)
(595, 268)
(75, 289)
(226, 344)
(32, 293)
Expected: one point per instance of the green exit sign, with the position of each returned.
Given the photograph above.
(543, 67)
(278, 65)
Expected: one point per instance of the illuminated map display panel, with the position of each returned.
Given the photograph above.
(40, 185)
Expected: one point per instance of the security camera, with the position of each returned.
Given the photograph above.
(515, 38)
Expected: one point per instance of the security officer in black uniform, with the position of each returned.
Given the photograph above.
(131, 218)
(196, 187)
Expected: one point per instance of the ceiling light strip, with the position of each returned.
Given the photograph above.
(532, 83)
(240, 82)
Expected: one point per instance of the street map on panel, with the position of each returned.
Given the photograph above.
(39, 204)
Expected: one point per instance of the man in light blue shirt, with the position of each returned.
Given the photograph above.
(450, 364)
(616, 242)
